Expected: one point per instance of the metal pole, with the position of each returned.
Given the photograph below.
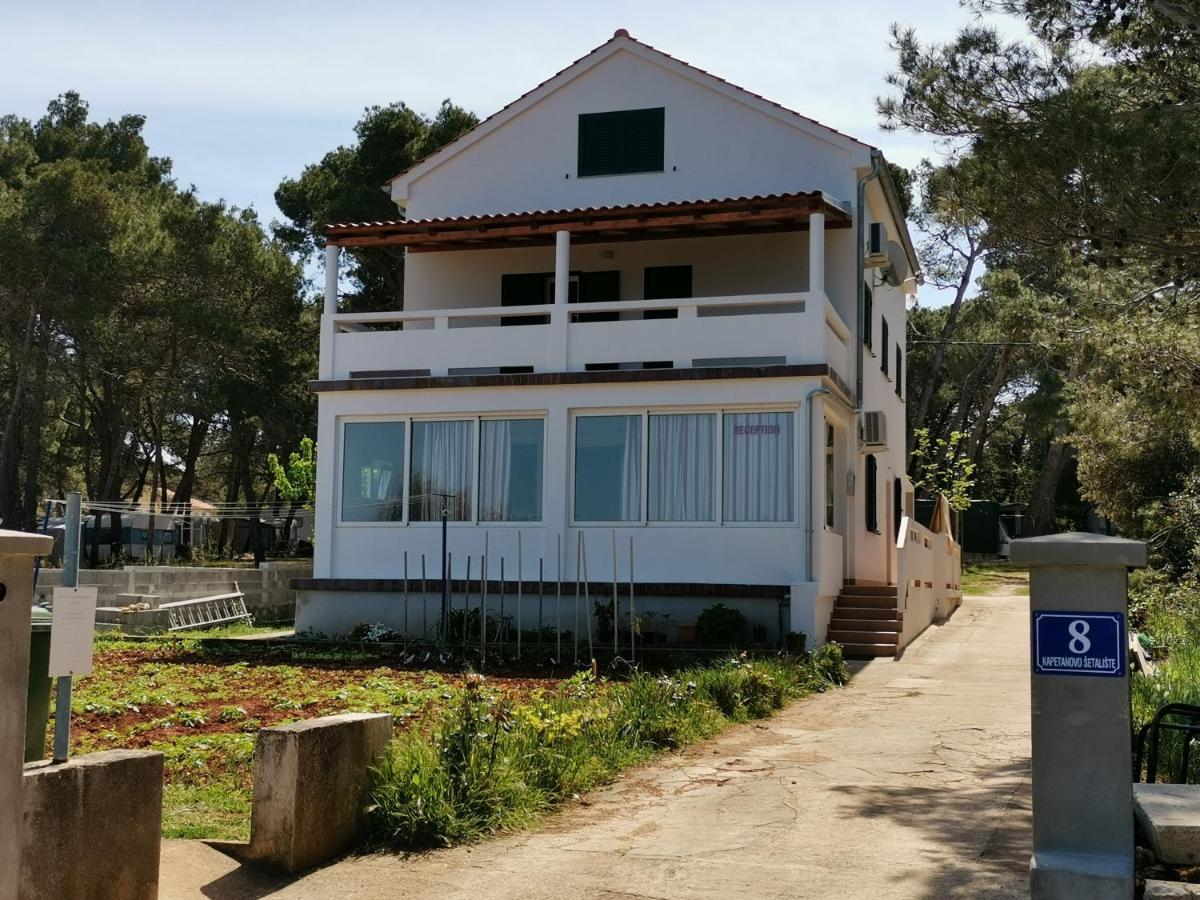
(578, 558)
(483, 602)
(70, 578)
(541, 600)
(424, 603)
(466, 604)
(501, 631)
(406, 632)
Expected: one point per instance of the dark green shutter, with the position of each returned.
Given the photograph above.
(883, 342)
(868, 315)
(621, 142)
(872, 493)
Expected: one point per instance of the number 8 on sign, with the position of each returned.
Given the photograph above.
(1079, 643)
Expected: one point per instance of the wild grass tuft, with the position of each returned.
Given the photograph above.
(490, 765)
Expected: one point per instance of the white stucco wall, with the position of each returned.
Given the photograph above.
(715, 146)
(711, 553)
(721, 266)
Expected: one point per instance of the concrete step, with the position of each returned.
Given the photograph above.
(865, 601)
(869, 590)
(1169, 816)
(852, 623)
(867, 650)
(850, 611)
(847, 637)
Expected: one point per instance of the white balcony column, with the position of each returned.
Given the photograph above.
(816, 252)
(332, 252)
(559, 331)
(562, 266)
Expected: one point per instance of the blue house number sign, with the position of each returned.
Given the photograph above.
(1074, 643)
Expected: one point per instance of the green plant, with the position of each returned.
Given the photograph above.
(721, 626)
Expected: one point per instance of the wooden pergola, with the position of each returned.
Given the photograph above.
(607, 224)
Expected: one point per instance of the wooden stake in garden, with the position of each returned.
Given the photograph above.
(501, 631)
(466, 604)
(541, 599)
(632, 627)
(424, 605)
(483, 603)
(448, 606)
(587, 603)
(406, 634)
(615, 606)
(520, 593)
(578, 562)
(558, 599)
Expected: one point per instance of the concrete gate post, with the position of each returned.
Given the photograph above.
(17, 551)
(1082, 786)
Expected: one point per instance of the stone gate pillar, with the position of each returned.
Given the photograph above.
(1082, 784)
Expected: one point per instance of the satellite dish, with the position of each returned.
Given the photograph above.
(896, 271)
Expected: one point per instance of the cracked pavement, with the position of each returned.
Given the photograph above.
(913, 782)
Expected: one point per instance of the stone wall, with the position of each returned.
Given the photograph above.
(269, 598)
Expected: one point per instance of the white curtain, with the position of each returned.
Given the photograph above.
(631, 485)
(758, 454)
(495, 470)
(682, 461)
(440, 471)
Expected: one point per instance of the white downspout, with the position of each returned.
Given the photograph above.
(810, 530)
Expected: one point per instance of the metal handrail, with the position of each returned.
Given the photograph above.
(1150, 734)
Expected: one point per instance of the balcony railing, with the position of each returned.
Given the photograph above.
(759, 329)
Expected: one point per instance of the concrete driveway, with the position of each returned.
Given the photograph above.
(911, 783)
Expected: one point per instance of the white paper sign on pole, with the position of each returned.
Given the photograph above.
(72, 630)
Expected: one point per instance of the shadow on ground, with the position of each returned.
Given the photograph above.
(979, 853)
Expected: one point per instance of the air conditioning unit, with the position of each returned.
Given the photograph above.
(877, 246)
(872, 430)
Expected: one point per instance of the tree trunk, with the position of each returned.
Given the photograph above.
(1039, 514)
(33, 428)
(979, 431)
(939, 352)
(10, 501)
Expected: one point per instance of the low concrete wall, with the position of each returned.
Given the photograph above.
(269, 596)
(67, 808)
(311, 782)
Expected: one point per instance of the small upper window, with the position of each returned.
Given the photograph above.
(899, 369)
(883, 354)
(868, 313)
(621, 142)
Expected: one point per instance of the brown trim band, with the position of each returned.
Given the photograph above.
(542, 379)
(595, 588)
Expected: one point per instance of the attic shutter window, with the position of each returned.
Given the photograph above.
(883, 354)
(868, 313)
(621, 142)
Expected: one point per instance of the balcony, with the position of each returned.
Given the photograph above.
(749, 330)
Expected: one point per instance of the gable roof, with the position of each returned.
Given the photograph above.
(621, 40)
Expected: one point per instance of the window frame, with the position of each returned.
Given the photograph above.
(476, 433)
(871, 493)
(883, 352)
(899, 370)
(718, 463)
(615, 115)
(830, 460)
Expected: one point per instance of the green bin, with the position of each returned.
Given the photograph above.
(37, 710)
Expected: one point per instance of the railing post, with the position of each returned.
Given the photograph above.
(1082, 791)
(816, 253)
(560, 329)
(332, 253)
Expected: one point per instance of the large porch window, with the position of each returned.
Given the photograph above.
(373, 472)
(751, 457)
(406, 470)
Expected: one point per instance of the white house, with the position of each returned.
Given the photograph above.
(643, 309)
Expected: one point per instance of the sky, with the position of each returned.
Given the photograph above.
(242, 94)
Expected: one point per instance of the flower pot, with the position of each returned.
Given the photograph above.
(687, 634)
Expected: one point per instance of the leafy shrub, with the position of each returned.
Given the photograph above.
(721, 626)
(489, 766)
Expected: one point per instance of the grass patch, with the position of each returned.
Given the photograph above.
(202, 707)
(490, 765)
(995, 579)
